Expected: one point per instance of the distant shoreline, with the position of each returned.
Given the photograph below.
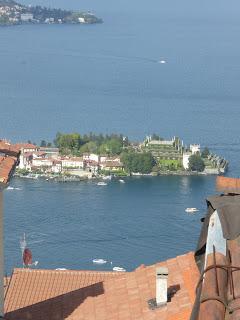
(13, 13)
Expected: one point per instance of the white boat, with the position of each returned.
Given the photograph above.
(191, 210)
(101, 183)
(99, 261)
(61, 269)
(119, 269)
(162, 61)
(12, 188)
(121, 181)
(107, 178)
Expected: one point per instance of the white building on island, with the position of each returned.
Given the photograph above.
(195, 148)
(185, 160)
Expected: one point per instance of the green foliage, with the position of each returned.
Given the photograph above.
(76, 144)
(4, 20)
(196, 163)
(117, 173)
(89, 147)
(43, 143)
(111, 147)
(168, 164)
(205, 153)
(23, 172)
(68, 143)
(156, 137)
(138, 162)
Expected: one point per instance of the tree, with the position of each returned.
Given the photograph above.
(43, 143)
(68, 143)
(196, 163)
(156, 137)
(138, 162)
(205, 152)
(112, 147)
(89, 147)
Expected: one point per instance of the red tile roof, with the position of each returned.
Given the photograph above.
(7, 165)
(8, 160)
(112, 164)
(9, 149)
(227, 184)
(90, 295)
(26, 146)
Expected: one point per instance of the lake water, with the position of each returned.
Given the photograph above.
(107, 78)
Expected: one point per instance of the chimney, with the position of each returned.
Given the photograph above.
(161, 285)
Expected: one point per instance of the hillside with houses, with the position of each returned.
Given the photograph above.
(13, 13)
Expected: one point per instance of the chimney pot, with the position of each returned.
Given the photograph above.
(161, 285)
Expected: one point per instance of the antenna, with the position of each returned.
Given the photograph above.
(23, 245)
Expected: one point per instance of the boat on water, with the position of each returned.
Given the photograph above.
(121, 181)
(29, 176)
(101, 183)
(99, 261)
(162, 61)
(12, 188)
(119, 269)
(107, 178)
(191, 210)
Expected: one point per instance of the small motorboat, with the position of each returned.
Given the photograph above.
(191, 210)
(119, 269)
(162, 61)
(99, 261)
(121, 181)
(107, 178)
(101, 183)
(12, 188)
(61, 269)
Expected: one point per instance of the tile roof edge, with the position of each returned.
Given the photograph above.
(16, 270)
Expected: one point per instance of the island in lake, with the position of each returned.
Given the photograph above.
(13, 13)
(73, 157)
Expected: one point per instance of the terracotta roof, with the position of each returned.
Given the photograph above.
(9, 149)
(26, 146)
(227, 184)
(111, 164)
(7, 166)
(72, 158)
(90, 295)
(8, 160)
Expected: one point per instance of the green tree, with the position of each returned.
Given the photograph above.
(138, 162)
(111, 147)
(156, 137)
(205, 152)
(196, 163)
(43, 143)
(68, 143)
(89, 147)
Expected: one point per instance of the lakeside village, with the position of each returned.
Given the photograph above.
(13, 13)
(76, 158)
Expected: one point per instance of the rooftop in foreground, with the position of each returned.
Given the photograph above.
(90, 295)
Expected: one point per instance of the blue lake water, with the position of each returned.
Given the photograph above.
(106, 78)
